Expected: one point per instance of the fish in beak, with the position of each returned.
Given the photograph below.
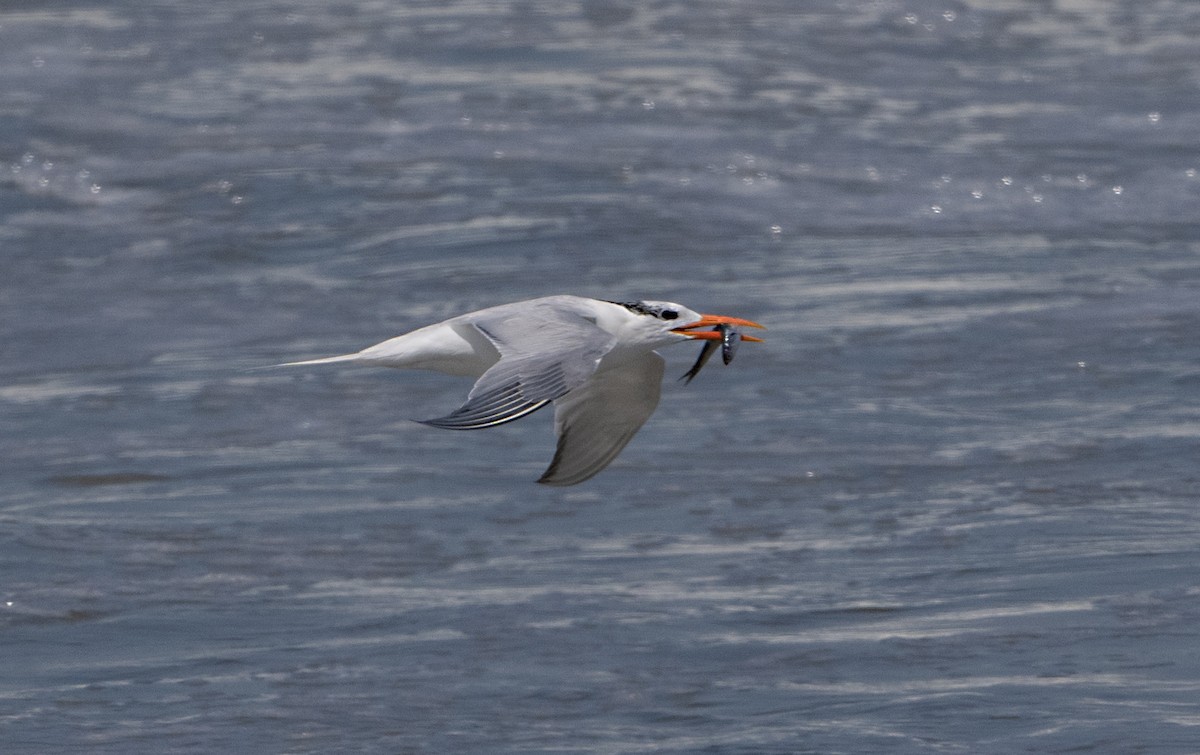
(723, 332)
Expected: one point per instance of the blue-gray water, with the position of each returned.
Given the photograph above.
(949, 506)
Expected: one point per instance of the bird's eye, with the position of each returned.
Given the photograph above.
(669, 314)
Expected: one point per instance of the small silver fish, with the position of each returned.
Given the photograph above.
(728, 342)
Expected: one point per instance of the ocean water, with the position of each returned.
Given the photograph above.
(949, 506)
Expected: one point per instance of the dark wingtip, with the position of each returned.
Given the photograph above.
(460, 420)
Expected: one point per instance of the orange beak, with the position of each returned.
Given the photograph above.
(708, 321)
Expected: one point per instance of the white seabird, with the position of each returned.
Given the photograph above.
(594, 359)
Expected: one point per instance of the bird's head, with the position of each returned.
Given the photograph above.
(664, 322)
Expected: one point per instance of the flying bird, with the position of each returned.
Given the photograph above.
(594, 359)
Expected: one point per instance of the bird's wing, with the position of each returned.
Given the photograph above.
(545, 351)
(597, 419)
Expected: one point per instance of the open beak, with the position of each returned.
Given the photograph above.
(708, 321)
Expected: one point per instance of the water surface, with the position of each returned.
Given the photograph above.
(950, 506)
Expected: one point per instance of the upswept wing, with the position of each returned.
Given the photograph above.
(596, 420)
(547, 349)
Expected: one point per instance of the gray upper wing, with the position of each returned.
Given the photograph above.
(547, 348)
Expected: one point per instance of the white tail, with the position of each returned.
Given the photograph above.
(323, 360)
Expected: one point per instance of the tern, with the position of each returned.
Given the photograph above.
(594, 359)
